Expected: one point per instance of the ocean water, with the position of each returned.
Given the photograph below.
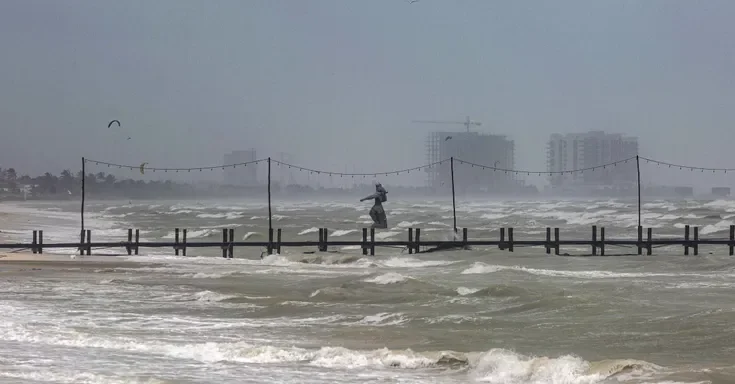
(481, 315)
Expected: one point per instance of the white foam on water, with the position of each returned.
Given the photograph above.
(388, 278)
(721, 226)
(464, 291)
(412, 262)
(342, 232)
(386, 235)
(408, 224)
(384, 319)
(250, 234)
(309, 230)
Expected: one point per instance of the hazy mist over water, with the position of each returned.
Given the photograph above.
(335, 84)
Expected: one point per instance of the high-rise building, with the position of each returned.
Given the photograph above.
(241, 175)
(483, 149)
(575, 151)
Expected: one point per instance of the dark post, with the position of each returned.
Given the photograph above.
(602, 241)
(40, 241)
(594, 240)
(81, 242)
(176, 241)
(732, 240)
(137, 241)
(640, 240)
(224, 242)
(454, 206)
(320, 246)
(372, 241)
(510, 239)
(502, 239)
(548, 240)
(270, 213)
(464, 238)
(129, 245)
(81, 211)
(638, 167)
(183, 242)
(326, 239)
(231, 246)
(410, 240)
(686, 240)
(89, 241)
(35, 242)
(418, 239)
(696, 241)
(278, 241)
(649, 245)
(556, 241)
(364, 241)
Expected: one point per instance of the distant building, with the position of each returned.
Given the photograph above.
(240, 175)
(576, 151)
(483, 149)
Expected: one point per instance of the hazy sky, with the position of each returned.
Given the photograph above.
(336, 83)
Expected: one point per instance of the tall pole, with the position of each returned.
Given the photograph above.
(270, 215)
(638, 167)
(454, 207)
(81, 211)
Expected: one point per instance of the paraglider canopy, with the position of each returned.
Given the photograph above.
(113, 121)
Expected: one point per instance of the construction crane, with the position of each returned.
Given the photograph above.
(466, 123)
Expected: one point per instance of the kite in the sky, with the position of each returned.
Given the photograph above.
(113, 121)
(448, 138)
(142, 168)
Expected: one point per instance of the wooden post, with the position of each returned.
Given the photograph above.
(410, 241)
(501, 245)
(364, 241)
(81, 241)
(686, 240)
(510, 239)
(224, 242)
(183, 242)
(548, 240)
(602, 241)
(696, 241)
(418, 240)
(137, 241)
(649, 245)
(594, 240)
(326, 239)
(89, 241)
(732, 240)
(129, 246)
(176, 241)
(640, 240)
(464, 238)
(278, 241)
(40, 241)
(320, 245)
(35, 241)
(454, 206)
(556, 241)
(372, 241)
(231, 246)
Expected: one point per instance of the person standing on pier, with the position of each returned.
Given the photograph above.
(377, 213)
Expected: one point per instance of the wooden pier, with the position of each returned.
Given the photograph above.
(598, 243)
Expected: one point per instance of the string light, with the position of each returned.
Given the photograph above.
(685, 167)
(430, 166)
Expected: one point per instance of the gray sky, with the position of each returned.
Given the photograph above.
(337, 82)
